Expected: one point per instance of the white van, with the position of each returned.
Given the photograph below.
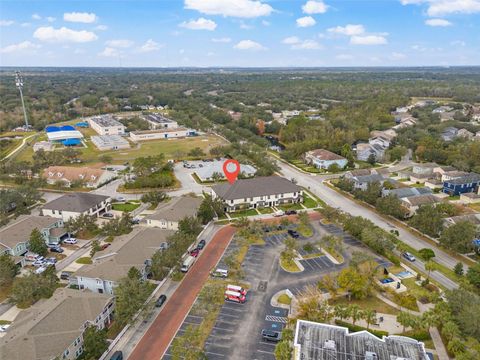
(220, 273)
(187, 264)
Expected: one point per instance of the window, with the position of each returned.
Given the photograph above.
(65, 354)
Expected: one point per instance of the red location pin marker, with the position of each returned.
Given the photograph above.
(231, 168)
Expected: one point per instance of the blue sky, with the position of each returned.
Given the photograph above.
(169, 33)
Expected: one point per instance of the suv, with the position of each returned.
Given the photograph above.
(65, 275)
(291, 212)
(408, 256)
(294, 234)
(161, 300)
(56, 249)
(201, 244)
(70, 241)
(270, 335)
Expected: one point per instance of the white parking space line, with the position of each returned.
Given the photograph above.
(222, 329)
(217, 345)
(267, 343)
(234, 316)
(308, 263)
(194, 316)
(217, 354)
(265, 352)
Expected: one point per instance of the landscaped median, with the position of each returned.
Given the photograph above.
(290, 264)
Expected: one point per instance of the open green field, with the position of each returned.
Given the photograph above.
(126, 207)
(370, 303)
(243, 213)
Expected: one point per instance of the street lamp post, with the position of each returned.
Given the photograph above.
(19, 84)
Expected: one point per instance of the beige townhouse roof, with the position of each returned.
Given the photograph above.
(176, 209)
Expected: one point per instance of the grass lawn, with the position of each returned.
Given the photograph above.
(243, 213)
(305, 231)
(286, 207)
(265, 210)
(84, 260)
(284, 299)
(172, 149)
(370, 303)
(308, 201)
(126, 207)
(289, 266)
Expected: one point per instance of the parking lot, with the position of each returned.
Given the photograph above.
(317, 264)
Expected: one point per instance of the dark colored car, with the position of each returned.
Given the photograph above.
(107, 215)
(117, 355)
(104, 246)
(195, 252)
(161, 300)
(201, 244)
(270, 335)
(291, 212)
(65, 275)
(56, 249)
(293, 234)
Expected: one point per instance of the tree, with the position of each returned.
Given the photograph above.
(429, 266)
(190, 225)
(312, 306)
(130, 296)
(84, 224)
(341, 311)
(95, 247)
(188, 346)
(196, 153)
(370, 317)
(27, 289)
(358, 285)
(283, 351)
(355, 313)
(372, 159)
(428, 219)
(210, 208)
(459, 236)
(405, 319)
(37, 243)
(391, 205)
(463, 305)
(94, 343)
(8, 270)
(154, 197)
(426, 254)
(107, 159)
(450, 330)
(329, 283)
(473, 275)
(118, 226)
(458, 269)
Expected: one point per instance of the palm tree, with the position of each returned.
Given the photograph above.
(341, 311)
(450, 330)
(355, 313)
(404, 319)
(429, 266)
(370, 316)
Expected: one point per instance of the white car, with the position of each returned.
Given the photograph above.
(121, 199)
(39, 262)
(40, 270)
(71, 240)
(3, 328)
(279, 213)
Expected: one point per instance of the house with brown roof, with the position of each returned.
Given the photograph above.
(260, 192)
(135, 249)
(323, 159)
(53, 328)
(167, 215)
(84, 176)
(413, 203)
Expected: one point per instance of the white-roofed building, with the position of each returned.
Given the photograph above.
(214, 171)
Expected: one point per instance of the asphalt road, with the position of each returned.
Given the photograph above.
(331, 197)
(158, 337)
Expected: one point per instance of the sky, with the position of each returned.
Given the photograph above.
(241, 33)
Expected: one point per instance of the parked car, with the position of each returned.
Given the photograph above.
(120, 199)
(39, 262)
(290, 212)
(164, 245)
(56, 249)
(270, 335)
(3, 328)
(40, 270)
(104, 246)
(294, 234)
(65, 275)
(108, 215)
(279, 213)
(408, 256)
(117, 355)
(70, 240)
(31, 256)
(161, 300)
(51, 260)
(195, 252)
(135, 221)
(201, 244)
(219, 273)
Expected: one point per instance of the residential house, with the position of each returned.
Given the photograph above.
(318, 341)
(439, 171)
(426, 168)
(359, 172)
(455, 174)
(135, 249)
(383, 141)
(413, 203)
(449, 134)
(406, 192)
(447, 116)
(53, 328)
(258, 193)
(470, 198)
(364, 151)
(465, 134)
(106, 125)
(465, 184)
(441, 109)
(73, 205)
(420, 178)
(472, 218)
(110, 142)
(167, 215)
(477, 136)
(433, 184)
(212, 171)
(323, 159)
(362, 182)
(389, 134)
(67, 175)
(14, 237)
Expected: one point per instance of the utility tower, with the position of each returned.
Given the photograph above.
(19, 84)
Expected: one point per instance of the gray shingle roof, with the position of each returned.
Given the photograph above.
(470, 178)
(261, 186)
(176, 209)
(406, 192)
(75, 202)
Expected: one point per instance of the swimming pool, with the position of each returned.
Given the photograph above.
(386, 281)
(404, 274)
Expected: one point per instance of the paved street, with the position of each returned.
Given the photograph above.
(331, 197)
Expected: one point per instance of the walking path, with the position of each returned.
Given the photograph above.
(158, 337)
(19, 147)
(396, 306)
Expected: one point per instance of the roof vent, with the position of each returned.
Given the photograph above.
(370, 355)
(329, 345)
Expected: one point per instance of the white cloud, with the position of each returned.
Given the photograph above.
(248, 45)
(349, 30)
(63, 34)
(291, 40)
(233, 8)
(222, 40)
(51, 19)
(26, 45)
(446, 7)
(306, 21)
(110, 52)
(307, 45)
(245, 26)
(80, 17)
(6, 22)
(368, 40)
(119, 43)
(101, 27)
(199, 24)
(150, 45)
(437, 22)
(36, 17)
(314, 7)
